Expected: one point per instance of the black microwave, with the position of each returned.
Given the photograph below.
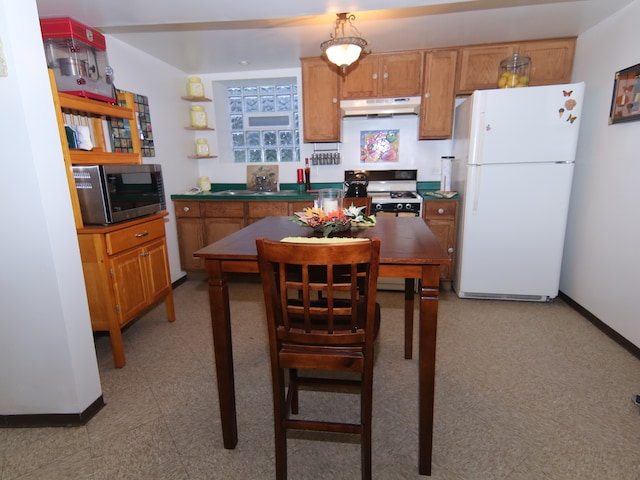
(115, 193)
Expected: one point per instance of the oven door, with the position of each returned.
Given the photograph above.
(392, 209)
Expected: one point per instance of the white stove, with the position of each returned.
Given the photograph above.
(392, 192)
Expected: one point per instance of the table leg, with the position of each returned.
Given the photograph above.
(427, 363)
(409, 295)
(221, 327)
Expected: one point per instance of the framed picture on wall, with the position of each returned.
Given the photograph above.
(625, 103)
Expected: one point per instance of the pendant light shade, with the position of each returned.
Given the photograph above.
(340, 49)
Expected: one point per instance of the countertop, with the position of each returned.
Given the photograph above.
(423, 188)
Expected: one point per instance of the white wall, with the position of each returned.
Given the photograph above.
(47, 359)
(138, 72)
(602, 258)
(422, 155)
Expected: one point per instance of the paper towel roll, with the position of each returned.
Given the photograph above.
(445, 175)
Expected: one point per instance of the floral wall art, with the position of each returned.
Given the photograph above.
(379, 146)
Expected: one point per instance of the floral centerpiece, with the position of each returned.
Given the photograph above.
(331, 222)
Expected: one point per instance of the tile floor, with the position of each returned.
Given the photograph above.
(524, 391)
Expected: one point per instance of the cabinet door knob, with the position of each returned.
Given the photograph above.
(334, 100)
(185, 209)
(427, 95)
(385, 75)
(143, 234)
(440, 211)
(375, 76)
(144, 254)
(450, 250)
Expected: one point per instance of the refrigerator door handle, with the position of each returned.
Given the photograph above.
(476, 188)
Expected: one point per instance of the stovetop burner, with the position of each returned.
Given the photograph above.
(402, 195)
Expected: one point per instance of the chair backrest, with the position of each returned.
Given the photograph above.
(320, 295)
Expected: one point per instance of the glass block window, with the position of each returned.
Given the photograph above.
(264, 121)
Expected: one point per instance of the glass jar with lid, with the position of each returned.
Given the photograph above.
(202, 147)
(514, 71)
(195, 88)
(198, 117)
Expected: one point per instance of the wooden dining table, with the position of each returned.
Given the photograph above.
(408, 249)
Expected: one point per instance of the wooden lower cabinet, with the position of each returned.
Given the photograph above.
(200, 223)
(126, 271)
(259, 210)
(442, 218)
(222, 219)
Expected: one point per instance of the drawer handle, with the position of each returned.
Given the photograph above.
(185, 209)
(440, 211)
(143, 234)
(144, 254)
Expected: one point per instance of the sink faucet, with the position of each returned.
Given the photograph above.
(261, 182)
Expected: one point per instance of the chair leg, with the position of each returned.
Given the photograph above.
(366, 414)
(281, 452)
(280, 433)
(293, 390)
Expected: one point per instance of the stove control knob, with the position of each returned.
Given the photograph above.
(378, 206)
(408, 206)
(399, 206)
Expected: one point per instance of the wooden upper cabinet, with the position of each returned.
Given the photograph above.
(551, 60)
(478, 66)
(438, 94)
(551, 63)
(320, 101)
(384, 75)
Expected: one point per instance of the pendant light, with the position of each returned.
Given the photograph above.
(342, 50)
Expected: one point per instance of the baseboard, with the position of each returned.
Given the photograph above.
(179, 281)
(53, 419)
(606, 329)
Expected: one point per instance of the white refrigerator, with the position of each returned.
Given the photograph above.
(514, 156)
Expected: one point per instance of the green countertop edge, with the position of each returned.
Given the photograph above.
(422, 188)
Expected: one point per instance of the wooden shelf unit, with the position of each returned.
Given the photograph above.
(126, 265)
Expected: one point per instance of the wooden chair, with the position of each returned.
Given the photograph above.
(335, 332)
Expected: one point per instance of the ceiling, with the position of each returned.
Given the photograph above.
(201, 36)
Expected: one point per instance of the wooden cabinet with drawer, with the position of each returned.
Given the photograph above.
(222, 218)
(442, 218)
(126, 271)
(201, 223)
(258, 210)
(190, 233)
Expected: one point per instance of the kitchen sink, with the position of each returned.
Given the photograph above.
(256, 193)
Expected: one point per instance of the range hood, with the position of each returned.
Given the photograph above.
(380, 106)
